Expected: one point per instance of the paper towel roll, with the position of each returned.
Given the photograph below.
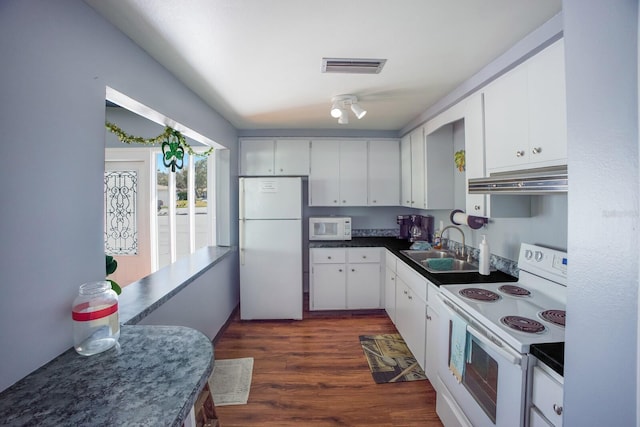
(458, 217)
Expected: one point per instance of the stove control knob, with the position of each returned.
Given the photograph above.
(538, 256)
(528, 254)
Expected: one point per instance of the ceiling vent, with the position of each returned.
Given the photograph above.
(352, 65)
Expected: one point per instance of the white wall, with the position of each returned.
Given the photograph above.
(601, 39)
(57, 59)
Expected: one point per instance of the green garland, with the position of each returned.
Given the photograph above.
(164, 136)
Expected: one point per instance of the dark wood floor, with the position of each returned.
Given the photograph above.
(313, 373)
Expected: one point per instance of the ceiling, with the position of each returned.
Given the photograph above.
(258, 62)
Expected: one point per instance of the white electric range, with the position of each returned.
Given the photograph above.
(502, 321)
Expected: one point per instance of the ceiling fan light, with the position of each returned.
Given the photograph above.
(358, 110)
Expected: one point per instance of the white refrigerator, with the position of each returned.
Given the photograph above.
(270, 248)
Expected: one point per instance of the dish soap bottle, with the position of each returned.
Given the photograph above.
(483, 258)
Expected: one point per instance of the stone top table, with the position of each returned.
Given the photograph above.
(152, 378)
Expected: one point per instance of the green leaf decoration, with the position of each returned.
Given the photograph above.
(167, 135)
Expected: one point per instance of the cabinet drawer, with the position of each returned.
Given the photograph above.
(416, 282)
(328, 256)
(363, 255)
(547, 395)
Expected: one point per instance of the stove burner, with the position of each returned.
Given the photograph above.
(557, 317)
(523, 324)
(514, 290)
(479, 294)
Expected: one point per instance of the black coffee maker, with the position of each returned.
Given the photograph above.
(415, 227)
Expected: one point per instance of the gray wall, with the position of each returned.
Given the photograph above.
(57, 59)
(601, 40)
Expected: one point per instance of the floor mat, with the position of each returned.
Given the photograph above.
(390, 360)
(231, 381)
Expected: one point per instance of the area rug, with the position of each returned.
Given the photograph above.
(231, 381)
(390, 360)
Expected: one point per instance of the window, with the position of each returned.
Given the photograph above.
(185, 217)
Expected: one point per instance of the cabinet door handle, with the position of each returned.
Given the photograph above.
(476, 207)
(335, 201)
(374, 201)
(405, 292)
(329, 257)
(340, 270)
(519, 153)
(557, 409)
(344, 201)
(281, 170)
(537, 150)
(410, 297)
(364, 256)
(353, 270)
(428, 317)
(393, 278)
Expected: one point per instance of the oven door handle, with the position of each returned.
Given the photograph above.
(483, 336)
(510, 355)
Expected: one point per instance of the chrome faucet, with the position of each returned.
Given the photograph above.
(462, 252)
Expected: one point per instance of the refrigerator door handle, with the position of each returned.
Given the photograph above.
(241, 227)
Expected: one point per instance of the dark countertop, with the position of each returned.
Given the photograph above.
(396, 245)
(147, 380)
(142, 297)
(550, 354)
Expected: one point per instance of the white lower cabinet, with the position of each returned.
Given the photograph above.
(345, 278)
(546, 397)
(432, 350)
(411, 309)
(390, 285)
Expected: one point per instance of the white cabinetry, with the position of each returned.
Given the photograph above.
(427, 169)
(390, 285)
(432, 350)
(497, 206)
(525, 114)
(261, 157)
(384, 173)
(411, 309)
(345, 278)
(546, 398)
(338, 173)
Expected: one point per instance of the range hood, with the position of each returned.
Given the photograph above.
(547, 180)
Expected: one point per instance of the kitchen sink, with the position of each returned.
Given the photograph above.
(453, 266)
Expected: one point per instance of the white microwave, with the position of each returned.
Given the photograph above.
(329, 228)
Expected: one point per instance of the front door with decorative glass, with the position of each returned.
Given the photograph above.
(127, 228)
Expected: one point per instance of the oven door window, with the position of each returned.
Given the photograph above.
(481, 378)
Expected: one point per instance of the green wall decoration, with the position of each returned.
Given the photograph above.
(459, 160)
(173, 143)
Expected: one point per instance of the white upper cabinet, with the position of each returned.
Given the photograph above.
(354, 172)
(260, 157)
(427, 169)
(548, 106)
(291, 157)
(525, 114)
(405, 173)
(384, 173)
(413, 166)
(338, 173)
(256, 157)
(474, 151)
